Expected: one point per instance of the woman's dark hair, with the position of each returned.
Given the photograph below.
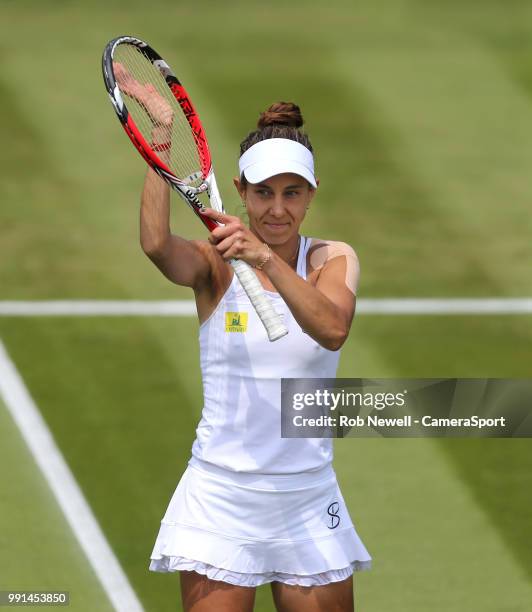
(281, 120)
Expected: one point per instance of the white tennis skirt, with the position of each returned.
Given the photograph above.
(249, 529)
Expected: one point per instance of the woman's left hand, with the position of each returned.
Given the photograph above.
(235, 240)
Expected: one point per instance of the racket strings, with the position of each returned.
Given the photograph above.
(156, 113)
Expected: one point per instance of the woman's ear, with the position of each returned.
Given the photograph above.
(239, 187)
(312, 190)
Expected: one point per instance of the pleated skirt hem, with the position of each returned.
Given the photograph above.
(248, 562)
(173, 564)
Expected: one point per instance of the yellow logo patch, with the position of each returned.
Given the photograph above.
(236, 321)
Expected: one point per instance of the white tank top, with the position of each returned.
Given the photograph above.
(240, 426)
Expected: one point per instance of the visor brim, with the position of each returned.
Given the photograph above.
(260, 171)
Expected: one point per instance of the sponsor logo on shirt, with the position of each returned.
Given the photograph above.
(236, 321)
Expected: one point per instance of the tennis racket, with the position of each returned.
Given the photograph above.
(158, 116)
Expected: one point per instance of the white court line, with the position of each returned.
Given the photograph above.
(184, 308)
(446, 306)
(65, 488)
(74, 308)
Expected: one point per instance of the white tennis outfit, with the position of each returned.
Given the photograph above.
(253, 507)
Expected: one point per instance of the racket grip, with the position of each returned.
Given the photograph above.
(270, 318)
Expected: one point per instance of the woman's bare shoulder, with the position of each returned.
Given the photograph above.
(322, 251)
(220, 271)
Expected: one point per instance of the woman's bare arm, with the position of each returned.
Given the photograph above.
(184, 262)
(325, 310)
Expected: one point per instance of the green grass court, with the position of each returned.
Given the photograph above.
(421, 117)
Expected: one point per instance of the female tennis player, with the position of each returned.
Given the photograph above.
(251, 507)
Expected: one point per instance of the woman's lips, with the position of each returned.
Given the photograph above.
(276, 226)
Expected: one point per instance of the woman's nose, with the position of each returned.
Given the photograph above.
(277, 207)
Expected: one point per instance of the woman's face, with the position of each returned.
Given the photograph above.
(277, 206)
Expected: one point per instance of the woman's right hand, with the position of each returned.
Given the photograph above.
(146, 95)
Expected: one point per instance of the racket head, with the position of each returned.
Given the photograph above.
(159, 117)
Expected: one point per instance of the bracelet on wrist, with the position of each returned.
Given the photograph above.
(265, 259)
(161, 146)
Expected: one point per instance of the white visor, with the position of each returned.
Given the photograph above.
(276, 156)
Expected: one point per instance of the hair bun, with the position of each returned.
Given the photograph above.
(281, 113)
